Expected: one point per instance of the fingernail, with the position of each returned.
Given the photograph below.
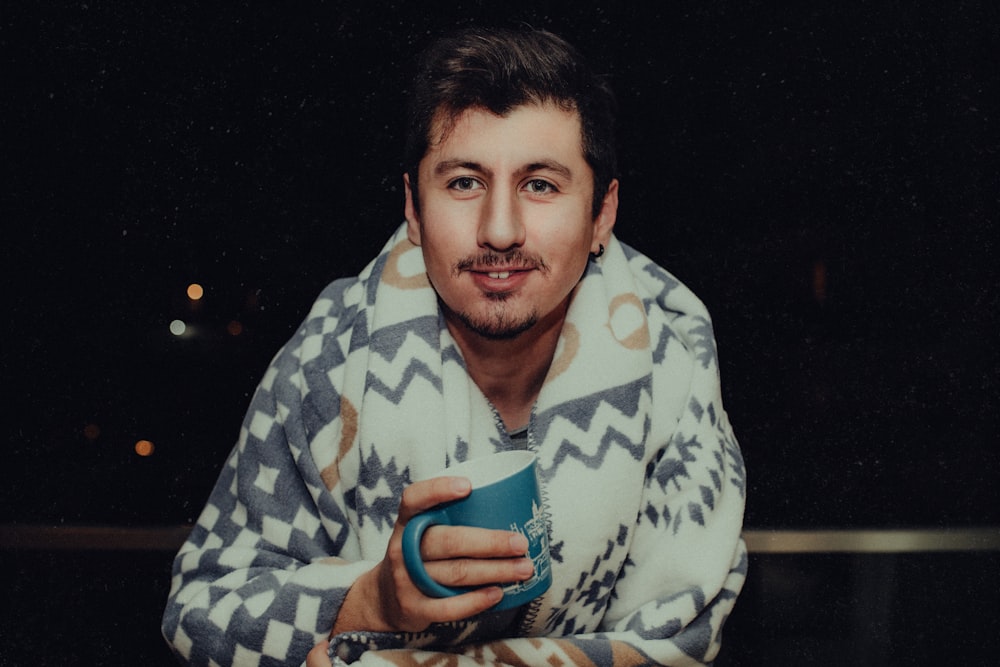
(524, 568)
(460, 485)
(518, 543)
(494, 594)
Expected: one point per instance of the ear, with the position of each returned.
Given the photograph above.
(410, 211)
(604, 223)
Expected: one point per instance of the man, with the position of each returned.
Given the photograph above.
(503, 314)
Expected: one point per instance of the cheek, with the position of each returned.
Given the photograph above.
(569, 244)
(440, 258)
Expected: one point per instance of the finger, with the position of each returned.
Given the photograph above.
(421, 496)
(318, 655)
(475, 573)
(412, 611)
(448, 542)
(466, 605)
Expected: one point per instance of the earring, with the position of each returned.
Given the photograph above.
(600, 251)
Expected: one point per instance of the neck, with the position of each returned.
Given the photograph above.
(510, 373)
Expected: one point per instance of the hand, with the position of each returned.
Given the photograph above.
(385, 598)
(317, 656)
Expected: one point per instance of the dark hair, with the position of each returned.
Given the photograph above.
(499, 70)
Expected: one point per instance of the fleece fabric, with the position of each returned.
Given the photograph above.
(642, 479)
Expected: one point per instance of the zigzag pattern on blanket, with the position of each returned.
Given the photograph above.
(372, 394)
(582, 430)
(570, 425)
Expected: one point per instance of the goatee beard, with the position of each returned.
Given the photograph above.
(498, 325)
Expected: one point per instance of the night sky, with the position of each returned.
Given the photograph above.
(824, 176)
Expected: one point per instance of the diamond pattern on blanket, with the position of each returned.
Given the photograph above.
(222, 611)
(182, 643)
(260, 425)
(276, 531)
(306, 522)
(245, 657)
(266, 478)
(317, 474)
(307, 612)
(258, 604)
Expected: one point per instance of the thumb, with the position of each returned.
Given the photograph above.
(318, 656)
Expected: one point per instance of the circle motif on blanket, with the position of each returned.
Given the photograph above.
(404, 267)
(348, 430)
(569, 345)
(627, 321)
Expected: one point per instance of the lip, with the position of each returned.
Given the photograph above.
(499, 279)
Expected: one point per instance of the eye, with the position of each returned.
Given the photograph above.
(465, 184)
(538, 186)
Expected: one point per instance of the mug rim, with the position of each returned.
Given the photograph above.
(511, 462)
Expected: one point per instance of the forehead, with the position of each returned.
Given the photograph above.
(527, 130)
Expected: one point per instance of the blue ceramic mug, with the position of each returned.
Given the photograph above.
(504, 496)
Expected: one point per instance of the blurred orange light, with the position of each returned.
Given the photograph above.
(144, 448)
(195, 291)
(91, 432)
(234, 328)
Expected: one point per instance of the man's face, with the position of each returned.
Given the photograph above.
(506, 222)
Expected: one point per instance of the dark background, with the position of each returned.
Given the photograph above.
(824, 175)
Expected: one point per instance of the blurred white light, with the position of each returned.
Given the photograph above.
(177, 327)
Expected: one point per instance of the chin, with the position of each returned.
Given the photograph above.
(497, 327)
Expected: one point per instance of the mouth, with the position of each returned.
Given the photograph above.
(502, 281)
(505, 274)
(498, 266)
(498, 275)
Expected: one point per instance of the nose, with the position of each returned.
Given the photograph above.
(501, 226)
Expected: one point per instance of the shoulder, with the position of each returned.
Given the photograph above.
(338, 321)
(322, 340)
(675, 313)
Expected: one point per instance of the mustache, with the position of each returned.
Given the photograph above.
(513, 259)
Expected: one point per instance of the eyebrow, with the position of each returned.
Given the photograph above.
(550, 165)
(446, 166)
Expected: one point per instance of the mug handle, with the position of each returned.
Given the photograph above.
(413, 533)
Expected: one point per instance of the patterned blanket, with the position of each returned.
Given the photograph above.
(643, 480)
